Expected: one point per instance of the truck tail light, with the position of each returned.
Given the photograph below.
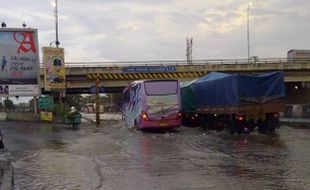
(275, 115)
(240, 117)
(179, 115)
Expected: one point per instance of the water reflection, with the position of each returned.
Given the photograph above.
(56, 144)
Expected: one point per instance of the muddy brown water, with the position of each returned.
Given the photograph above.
(113, 157)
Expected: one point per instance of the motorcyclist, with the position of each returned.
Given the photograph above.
(71, 116)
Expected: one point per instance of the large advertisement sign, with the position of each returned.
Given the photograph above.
(19, 55)
(54, 68)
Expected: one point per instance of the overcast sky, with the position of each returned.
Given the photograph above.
(103, 30)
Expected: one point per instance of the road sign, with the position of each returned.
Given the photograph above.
(92, 89)
(46, 102)
(101, 89)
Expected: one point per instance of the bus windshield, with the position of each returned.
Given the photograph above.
(161, 87)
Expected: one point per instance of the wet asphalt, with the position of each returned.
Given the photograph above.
(53, 156)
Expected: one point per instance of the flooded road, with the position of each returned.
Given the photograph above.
(113, 157)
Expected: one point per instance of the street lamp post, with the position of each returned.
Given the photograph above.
(248, 31)
(56, 22)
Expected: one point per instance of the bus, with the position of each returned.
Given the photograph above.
(152, 104)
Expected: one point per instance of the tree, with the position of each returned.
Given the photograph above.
(74, 100)
(8, 104)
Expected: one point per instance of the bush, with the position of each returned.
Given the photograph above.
(61, 109)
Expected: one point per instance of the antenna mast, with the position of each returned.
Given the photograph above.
(189, 50)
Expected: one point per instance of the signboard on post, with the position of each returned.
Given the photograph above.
(46, 103)
(54, 68)
(19, 55)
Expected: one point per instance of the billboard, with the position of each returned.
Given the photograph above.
(20, 70)
(54, 68)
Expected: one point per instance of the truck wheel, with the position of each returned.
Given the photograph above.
(206, 126)
(231, 127)
(203, 123)
(220, 126)
(251, 125)
(234, 128)
(262, 126)
(271, 125)
(240, 129)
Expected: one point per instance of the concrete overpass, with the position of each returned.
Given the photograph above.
(114, 76)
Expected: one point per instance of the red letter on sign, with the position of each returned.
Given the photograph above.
(25, 39)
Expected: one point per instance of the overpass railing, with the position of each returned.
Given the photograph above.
(198, 62)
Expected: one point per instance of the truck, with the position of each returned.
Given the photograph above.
(237, 102)
(295, 55)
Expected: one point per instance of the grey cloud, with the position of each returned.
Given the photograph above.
(146, 29)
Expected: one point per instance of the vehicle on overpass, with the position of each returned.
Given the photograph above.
(237, 102)
(295, 56)
(152, 104)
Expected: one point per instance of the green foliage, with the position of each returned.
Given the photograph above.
(31, 103)
(8, 104)
(74, 100)
(61, 109)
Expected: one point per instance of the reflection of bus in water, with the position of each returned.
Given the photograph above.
(152, 104)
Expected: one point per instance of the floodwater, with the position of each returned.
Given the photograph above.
(113, 157)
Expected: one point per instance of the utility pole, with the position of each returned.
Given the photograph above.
(56, 22)
(248, 31)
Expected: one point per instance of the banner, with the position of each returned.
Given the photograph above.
(54, 68)
(46, 116)
(149, 69)
(19, 65)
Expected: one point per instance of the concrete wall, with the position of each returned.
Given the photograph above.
(296, 93)
(3, 116)
(297, 111)
(21, 116)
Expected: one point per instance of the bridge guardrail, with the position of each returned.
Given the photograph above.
(201, 62)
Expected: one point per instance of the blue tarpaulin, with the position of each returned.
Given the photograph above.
(233, 89)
